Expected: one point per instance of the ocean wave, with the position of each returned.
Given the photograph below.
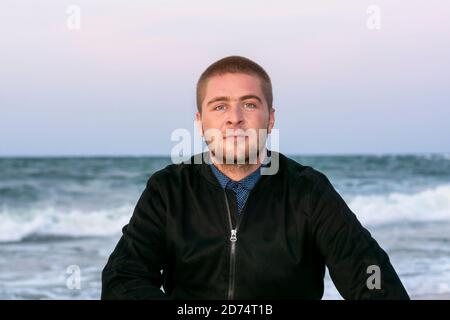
(431, 204)
(50, 222)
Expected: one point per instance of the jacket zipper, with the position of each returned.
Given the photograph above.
(233, 239)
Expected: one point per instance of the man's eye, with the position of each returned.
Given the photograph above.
(219, 107)
(250, 105)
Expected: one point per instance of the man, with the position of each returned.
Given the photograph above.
(223, 229)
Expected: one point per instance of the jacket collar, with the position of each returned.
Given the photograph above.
(203, 161)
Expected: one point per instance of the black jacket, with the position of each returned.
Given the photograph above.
(294, 224)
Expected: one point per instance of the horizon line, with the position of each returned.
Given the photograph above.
(18, 156)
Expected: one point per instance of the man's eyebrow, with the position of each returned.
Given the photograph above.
(223, 98)
(251, 96)
(226, 98)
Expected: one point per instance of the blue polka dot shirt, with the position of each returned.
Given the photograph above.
(241, 188)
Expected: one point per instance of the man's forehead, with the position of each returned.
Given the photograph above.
(233, 85)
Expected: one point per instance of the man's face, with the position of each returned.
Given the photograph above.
(234, 110)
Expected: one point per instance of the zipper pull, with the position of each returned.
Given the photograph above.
(233, 235)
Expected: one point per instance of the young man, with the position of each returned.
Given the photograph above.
(223, 230)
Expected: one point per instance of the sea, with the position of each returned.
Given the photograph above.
(61, 217)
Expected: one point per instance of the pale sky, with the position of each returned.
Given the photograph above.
(124, 81)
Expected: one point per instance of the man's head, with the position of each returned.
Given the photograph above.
(235, 93)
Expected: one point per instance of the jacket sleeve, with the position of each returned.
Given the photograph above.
(354, 259)
(133, 270)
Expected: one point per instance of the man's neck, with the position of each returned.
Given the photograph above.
(238, 172)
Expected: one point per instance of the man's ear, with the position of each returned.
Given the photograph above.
(271, 119)
(198, 121)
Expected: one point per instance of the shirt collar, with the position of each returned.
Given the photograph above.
(223, 179)
(248, 182)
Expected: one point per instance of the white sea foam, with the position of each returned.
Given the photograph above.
(428, 205)
(50, 222)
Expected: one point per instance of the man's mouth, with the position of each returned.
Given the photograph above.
(236, 134)
(235, 137)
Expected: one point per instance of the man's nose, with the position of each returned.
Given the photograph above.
(235, 116)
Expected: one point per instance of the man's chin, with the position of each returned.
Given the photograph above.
(235, 159)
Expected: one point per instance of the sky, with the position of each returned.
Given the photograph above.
(353, 77)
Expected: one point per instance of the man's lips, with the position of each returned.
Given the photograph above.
(235, 136)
